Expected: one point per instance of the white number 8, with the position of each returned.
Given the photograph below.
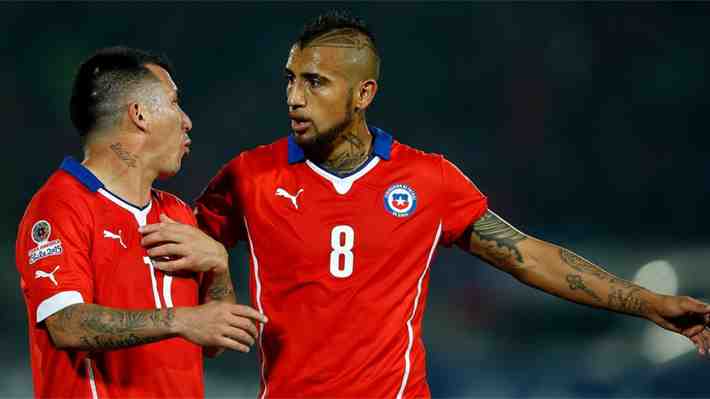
(342, 240)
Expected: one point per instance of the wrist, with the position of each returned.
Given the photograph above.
(179, 324)
(222, 263)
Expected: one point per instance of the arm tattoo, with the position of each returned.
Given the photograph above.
(125, 156)
(498, 239)
(220, 288)
(624, 295)
(107, 342)
(628, 301)
(101, 328)
(576, 283)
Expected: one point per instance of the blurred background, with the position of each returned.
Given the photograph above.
(584, 123)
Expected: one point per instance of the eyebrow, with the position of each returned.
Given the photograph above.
(308, 75)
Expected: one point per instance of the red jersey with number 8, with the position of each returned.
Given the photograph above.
(79, 243)
(340, 264)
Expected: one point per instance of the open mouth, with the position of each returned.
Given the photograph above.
(299, 124)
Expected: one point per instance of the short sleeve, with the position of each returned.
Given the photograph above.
(463, 203)
(52, 255)
(218, 209)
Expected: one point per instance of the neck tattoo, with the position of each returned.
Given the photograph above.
(355, 153)
(125, 156)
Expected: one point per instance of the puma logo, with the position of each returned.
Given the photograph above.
(280, 192)
(108, 234)
(42, 274)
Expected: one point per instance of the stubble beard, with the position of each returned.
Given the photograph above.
(322, 142)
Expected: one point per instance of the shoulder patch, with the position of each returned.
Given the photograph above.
(40, 233)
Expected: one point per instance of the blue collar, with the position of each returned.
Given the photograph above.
(382, 146)
(74, 168)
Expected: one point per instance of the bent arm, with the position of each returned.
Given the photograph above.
(553, 269)
(91, 327)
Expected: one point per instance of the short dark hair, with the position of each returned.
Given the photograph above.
(331, 21)
(104, 79)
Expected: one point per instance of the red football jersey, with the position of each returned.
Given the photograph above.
(340, 265)
(79, 243)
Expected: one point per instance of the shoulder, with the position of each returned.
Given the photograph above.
(425, 163)
(61, 192)
(173, 206)
(255, 162)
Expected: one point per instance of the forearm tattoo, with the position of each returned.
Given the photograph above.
(100, 328)
(495, 240)
(624, 296)
(220, 288)
(125, 156)
(576, 283)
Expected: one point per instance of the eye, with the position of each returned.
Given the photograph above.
(315, 82)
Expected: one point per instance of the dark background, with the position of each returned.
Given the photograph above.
(584, 123)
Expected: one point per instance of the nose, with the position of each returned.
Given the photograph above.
(186, 122)
(295, 97)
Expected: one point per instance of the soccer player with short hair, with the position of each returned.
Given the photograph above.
(342, 222)
(103, 321)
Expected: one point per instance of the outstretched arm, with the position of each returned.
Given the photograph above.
(565, 274)
(91, 327)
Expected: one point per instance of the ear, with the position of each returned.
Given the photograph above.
(136, 114)
(365, 94)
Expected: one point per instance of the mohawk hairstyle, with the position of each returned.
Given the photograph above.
(331, 21)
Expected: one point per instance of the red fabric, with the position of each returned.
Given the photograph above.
(105, 273)
(348, 336)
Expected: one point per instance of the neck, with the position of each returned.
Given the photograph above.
(349, 150)
(115, 162)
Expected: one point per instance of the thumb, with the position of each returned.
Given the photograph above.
(165, 218)
(694, 305)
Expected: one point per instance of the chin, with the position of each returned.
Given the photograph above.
(166, 174)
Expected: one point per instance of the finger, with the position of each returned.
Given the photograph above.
(239, 335)
(229, 343)
(151, 228)
(696, 341)
(249, 312)
(704, 336)
(169, 249)
(245, 325)
(172, 265)
(694, 305)
(161, 236)
(694, 330)
(166, 219)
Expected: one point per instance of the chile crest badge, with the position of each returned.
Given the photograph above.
(400, 200)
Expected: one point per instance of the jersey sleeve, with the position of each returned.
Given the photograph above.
(463, 203)
(218, 209)
(52, 254)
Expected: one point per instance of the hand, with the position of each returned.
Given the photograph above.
(176, 246)
(686, 316)
(219, 325)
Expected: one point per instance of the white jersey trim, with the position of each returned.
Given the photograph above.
(57, 302)
(92, 381)
(141, 215)
(255, 261)
(410, 330)
(343, 184)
